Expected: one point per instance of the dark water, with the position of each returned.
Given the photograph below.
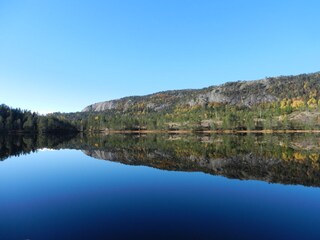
(160, 187)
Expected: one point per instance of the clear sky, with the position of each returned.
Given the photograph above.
(62, 55)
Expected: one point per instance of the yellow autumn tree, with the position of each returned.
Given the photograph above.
(312, 103)
(297, 103)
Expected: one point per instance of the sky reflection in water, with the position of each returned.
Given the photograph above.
(66, 194)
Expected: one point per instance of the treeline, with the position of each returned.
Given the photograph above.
(287, 114)
(17, 120)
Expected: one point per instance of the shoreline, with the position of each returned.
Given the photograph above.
(267, 131)
(203, 132)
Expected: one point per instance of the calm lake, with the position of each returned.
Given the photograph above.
(160, 187)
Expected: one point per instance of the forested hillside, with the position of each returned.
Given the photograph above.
(277, 103)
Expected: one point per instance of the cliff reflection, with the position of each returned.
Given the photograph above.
(286, 159)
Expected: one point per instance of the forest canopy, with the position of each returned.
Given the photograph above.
(17, 120)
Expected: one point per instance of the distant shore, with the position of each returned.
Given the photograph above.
(207, 131)
(170, 132)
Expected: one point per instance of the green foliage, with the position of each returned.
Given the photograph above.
(226, 117)
(17, 120)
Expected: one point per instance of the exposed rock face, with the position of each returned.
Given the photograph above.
(243, 93)
(210, 97)
(102, 106)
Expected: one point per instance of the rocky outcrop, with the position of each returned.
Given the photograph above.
(102, 106)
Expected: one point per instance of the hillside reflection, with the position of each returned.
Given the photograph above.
(286, 159)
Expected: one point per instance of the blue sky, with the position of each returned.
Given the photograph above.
(62, 55)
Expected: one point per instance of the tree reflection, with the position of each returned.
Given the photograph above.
(286, 159)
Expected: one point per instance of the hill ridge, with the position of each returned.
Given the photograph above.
(242, 93)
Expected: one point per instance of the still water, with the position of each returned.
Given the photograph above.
(160, 187)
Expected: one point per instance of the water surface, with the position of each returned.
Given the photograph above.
(160, 187)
